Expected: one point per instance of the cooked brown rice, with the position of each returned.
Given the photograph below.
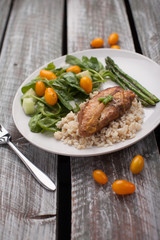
(117, 131)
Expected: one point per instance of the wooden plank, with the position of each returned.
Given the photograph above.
(91, 19)
(97, 213)
(28, 211)
(146, 18)
(4, 10)
(148, 32)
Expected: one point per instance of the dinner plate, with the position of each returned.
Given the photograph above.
(141, 68)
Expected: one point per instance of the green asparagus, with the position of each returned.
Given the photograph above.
(133, 81)
(106, 100)
(145, 98)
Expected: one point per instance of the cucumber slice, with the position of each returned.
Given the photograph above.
(28, 94)
(84, 74)
(28, 106)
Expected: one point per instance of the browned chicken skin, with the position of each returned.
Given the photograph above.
(95, 115)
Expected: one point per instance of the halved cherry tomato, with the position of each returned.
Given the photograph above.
(123, 187)
(86, 84)
(50, 96)
(40, 88)
(137, 164)
(47, 74)
(97, 43)
(113, 38)
(115, 47)
(100, 177)
(75, 69)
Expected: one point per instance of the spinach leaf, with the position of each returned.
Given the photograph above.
(71, 79)
(50, 67)
(29, 85)
(65, 98)
(59, 84)
(42, 108)
(72, 60)
(59, 71)
(92, 63)
(33, 123)
(48, 124)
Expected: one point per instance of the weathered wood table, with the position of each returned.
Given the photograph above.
(31, 34)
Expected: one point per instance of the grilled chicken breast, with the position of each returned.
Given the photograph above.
(95, 115)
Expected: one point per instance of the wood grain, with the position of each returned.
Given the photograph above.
(91, 19)
(4, 10)
(33, 37)
(147, 22)
(97, 213)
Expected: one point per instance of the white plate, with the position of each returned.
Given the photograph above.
(139, 67)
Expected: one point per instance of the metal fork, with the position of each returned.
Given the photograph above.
(42, 178)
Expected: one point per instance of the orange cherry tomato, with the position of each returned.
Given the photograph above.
(100, 176)
(115, 47)
(75, 69)
(97, 43)
(137, 164)
(47, 74)
(50, 96)
(40, 88)
(113, 38)
(86, 84)
(123, 187)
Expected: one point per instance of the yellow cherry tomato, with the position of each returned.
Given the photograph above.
(123, 187)
(50, 96)
(115, 47)
(100, 176)
(86, 84)
(47, 74)
(113, 38)
(137, 164)
(40, 88)
(75, 69)
(97, 43)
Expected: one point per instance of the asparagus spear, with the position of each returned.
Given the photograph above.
(130, 86)
(133, 81)
(106, 100)
(144, 103)
(116, 80)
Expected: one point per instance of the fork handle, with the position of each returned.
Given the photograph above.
(41, 177)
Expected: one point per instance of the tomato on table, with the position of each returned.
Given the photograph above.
(113, 38)
(115, 47)
(97, 43)
(123, 187)
(137, 164)
(100, 177)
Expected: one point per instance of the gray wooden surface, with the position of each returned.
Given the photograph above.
(31, 34)
(96, 212)
(147, 21)
(4, 10)
(33, 37)
(91, 19)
